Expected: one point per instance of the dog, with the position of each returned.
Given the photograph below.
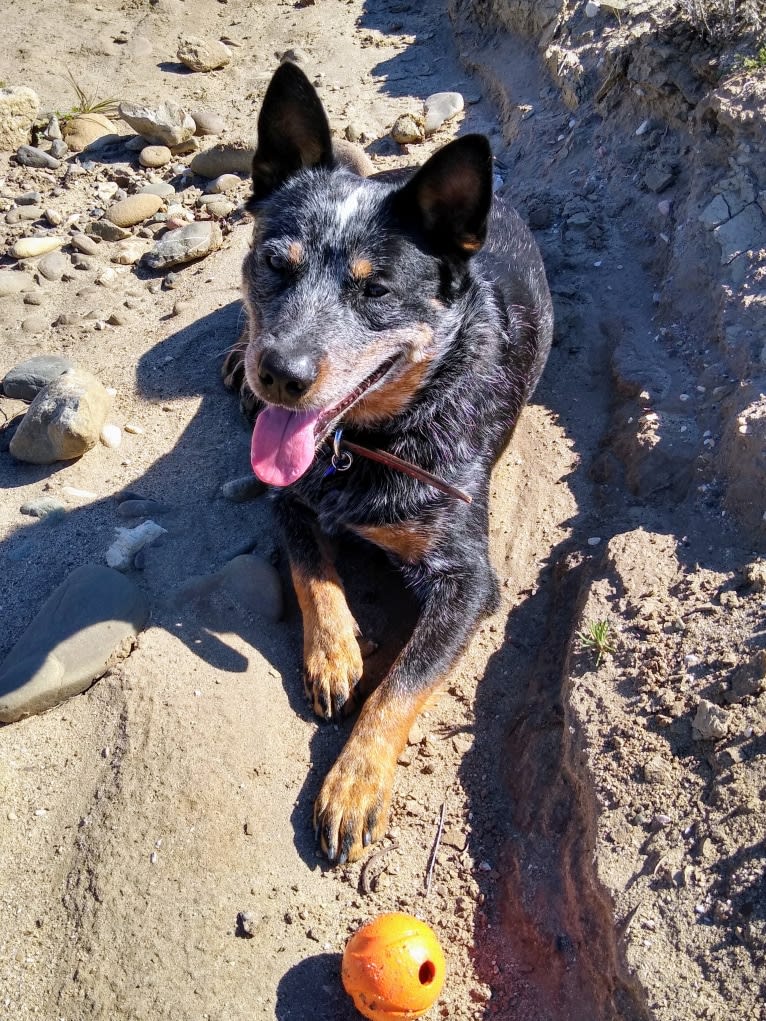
(403, 321)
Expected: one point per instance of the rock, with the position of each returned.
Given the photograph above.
(58, 149)
(107, 231)
(129, 252)
(185, 245)
(84, 244)
(742, 233)
(129, 541)
(13, 283)
(658, 178)
(208, 123)
(30, 248)
(749, 679)
(202, 55)
(68, 319)
(53, 131)
(220, 208)
(18, 112)
(249, 487)
(161, 188)
(34, 324)
(655, 770)
(251, 583)
(45, 507)
(22, 214)
(134, 429)
(441, 107)
(63, 421)
(710, 723)
(715, 213)
(134, 209)
(408, 128)
(89, 622)
(86, 128)
(168, 124)
(34, 297)
(54, 217)
(29, 156)
(592, 8)
(53, 265)
(29, 198)
(154, 156)
(755, 575)
(111, 436)
(233, 158)
(83, 262)
(222, 184)
(135, 508)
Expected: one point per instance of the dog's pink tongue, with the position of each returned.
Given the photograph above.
(283, 445)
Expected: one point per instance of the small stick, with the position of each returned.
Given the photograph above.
(435, 849)
(364, 877)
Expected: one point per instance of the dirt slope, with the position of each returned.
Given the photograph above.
(142, 817)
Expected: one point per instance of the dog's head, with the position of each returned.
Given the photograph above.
(351, 284)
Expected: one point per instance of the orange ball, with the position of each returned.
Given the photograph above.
(393, 968)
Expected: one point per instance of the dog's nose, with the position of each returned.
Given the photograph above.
(286, 377)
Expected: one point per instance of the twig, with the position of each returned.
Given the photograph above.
(435, 849)
(364, 877)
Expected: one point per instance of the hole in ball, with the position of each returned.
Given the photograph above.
(427, 973)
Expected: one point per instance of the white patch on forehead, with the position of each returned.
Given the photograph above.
(348, 207)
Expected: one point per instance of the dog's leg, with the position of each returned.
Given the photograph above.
(332, 659)
(352, 808)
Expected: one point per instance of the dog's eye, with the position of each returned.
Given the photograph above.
(374, 289)
(277, 262)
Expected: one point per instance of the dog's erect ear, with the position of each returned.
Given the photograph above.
(451, 196)
(292, 131)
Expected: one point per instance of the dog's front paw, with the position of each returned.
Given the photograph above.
(332, 668)
(351, 811)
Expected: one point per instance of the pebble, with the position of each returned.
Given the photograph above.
(161, 188)
(13, 283)
(21, 215)
(84, 244)
(221, 208)
(44, 507)
(107, 231)
(63, 421)
(34, 324)
(134, 428)
(408, 128)
(71, 641)
(202, 55)
(208, 123)
(134, 209)
(180, 307)
(18, 111)
(83, 262)
(53, 265)
(154, 156)
(222, 184)
(592, 8)
(73, 493)
(29, 198)
(30, 248)
(167, 124)
(234, 157)
(440, 108)
(54, 217)
(86, 128)
(135, 508)
(30, 156)
(248, 487)
(251, 583)
(59, 149)
(185, 245)
(710, 723)
(129, 541)
(53, 131)
(111, 436)
(657, 179)
(68, 319)
(129, 252)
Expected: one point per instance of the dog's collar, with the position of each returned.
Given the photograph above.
(343, 457)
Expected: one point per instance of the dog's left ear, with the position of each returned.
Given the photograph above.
(451, 196)
(293, 132)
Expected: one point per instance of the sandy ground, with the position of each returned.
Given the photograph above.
(140, 818)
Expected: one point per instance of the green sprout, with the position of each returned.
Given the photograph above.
(596, 638)
(87, 102)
